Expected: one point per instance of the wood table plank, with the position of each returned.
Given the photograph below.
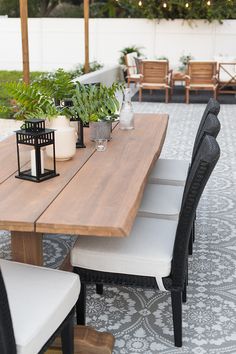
(8, 158)
(104, 196)
(22, 202)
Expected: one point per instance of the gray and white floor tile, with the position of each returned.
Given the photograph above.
(141, 319)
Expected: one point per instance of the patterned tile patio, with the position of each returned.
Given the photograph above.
(141, 320)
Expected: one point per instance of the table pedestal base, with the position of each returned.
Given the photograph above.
(87, 341)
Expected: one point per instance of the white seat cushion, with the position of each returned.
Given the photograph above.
(168, 171)
(202, 85)
(39, 300)
(161, 201)
(135, 76)
(147, 251)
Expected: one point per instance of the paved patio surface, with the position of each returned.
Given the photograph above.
(141, 320)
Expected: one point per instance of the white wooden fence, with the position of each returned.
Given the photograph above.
(59, 42)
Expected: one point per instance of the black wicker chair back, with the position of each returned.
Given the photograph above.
(211, 126)
(7, 339)
(204, 163)
(213, 107)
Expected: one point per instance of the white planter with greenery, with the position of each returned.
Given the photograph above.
(43, 98)
(65, 139)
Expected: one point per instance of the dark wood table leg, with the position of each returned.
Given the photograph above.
(87, 341)
(27, 247)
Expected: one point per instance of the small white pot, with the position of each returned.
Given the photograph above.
(65, 139)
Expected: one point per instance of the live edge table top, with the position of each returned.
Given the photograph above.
(97, 193)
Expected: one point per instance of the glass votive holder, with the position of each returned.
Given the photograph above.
(101, 144)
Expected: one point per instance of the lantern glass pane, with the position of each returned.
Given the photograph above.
(25, 159)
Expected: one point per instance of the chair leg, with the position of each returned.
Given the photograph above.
(99, 289)
(81, 305)
(128, 82)
(190, 243)
(176, 300)
(67, 338)
(167, 95)
(140, 94)
(187, 95)
(184, 293)
(215, 94)
(193, 228)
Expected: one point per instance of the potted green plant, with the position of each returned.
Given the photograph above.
(97, 105)
(43, 98)
(184, 59)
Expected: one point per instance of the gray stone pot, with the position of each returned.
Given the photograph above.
(100, 130)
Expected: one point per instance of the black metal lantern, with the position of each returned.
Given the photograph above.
(80, 129)
(80, 133)
(32, 140)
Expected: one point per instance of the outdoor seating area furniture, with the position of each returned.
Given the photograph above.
(155, 254)
(36, 305)
(155, 76)
(174, 172)
(133, 74)
(163, 201)
(201, 75)
(170, 175)
(226, 78)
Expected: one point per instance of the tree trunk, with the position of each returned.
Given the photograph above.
(47, 7)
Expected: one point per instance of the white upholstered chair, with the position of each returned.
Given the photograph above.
(36, 304)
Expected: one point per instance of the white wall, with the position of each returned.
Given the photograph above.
(59, 42)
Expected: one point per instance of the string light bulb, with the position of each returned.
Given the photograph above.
(187, 5)
(209, 3)
(165, 5)
(140, 3)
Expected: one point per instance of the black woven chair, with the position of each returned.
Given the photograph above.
(164, 201)
(155, 255)
(36, 305)
(175, 172)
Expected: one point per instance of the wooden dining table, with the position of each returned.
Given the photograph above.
(96, 193)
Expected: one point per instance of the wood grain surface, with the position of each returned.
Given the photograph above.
(87, 341)
(22, 202)
(103, 197)
(8, 158)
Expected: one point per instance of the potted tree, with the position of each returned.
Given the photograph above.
(98, 106)
(44, 98)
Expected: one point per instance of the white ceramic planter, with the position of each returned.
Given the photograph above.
(65, 139)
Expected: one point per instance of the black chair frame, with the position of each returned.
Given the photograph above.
(7, 338)
(204, 163)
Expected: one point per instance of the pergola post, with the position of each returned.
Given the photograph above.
(24, 36)
(86, 35)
